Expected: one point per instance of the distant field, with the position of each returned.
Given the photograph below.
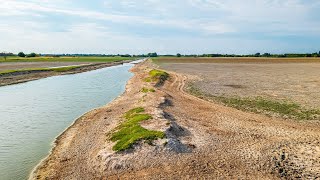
(17, 63)
(234, 60)
(248, 82)
(65, 59)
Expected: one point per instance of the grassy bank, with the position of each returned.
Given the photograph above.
(130, 131)
(66, 59)
(261, 105)
(60, 69)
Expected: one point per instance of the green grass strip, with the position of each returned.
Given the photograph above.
(59, 69)
(262, 105)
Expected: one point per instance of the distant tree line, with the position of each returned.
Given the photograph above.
(154, 54)
(289, 55)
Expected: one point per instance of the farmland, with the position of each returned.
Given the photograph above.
(17, 70)
(293, 80)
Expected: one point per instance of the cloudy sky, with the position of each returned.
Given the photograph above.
(164, 26)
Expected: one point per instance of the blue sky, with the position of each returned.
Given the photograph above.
(164, 26)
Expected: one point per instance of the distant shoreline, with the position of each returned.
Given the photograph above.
(17, 77)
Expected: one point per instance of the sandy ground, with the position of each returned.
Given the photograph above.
(21, 77)
(204, 140)
(295, 82)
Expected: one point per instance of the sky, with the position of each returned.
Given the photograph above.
(163, 26)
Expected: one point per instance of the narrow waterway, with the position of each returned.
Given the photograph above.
(33, 114)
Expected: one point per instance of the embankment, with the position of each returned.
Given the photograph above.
(21, 76)
(202, 139)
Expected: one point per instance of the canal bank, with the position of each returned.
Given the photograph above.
(34, 113)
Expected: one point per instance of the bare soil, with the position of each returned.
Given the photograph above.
(255, 60)
(204, 140)
(292, 81)
(25, 76)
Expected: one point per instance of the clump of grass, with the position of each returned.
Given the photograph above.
(262, 105)
(146, 90)
(148, 79)
(133, 112)
(157, 76)
(130, 131)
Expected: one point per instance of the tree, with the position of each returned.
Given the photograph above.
(178, 55)
(32, 55)
(153, 54)
(21, 54)
(266, 55)
(4, 55)
(257, 55)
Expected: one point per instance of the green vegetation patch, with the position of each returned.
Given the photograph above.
(132, 112)
(60, 69)
(262, 105)
(130, 131)
(148, 79)
(146, 90)
(157, 76)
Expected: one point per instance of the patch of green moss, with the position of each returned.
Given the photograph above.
(148, 79)
(158, 74)
(146, 90)
(130, 131)
(133, 112)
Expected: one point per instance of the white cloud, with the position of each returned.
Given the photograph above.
(31, 23)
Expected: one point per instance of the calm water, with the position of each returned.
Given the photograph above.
(34, 113)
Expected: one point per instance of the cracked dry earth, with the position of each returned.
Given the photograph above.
(203, 140)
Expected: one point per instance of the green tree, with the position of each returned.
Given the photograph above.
(32, 55)
(178, 55)
(21, 54)
(266, 55)
(153, 54)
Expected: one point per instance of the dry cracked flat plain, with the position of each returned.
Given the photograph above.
(203, 140)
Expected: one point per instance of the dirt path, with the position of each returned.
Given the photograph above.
(204, 140)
